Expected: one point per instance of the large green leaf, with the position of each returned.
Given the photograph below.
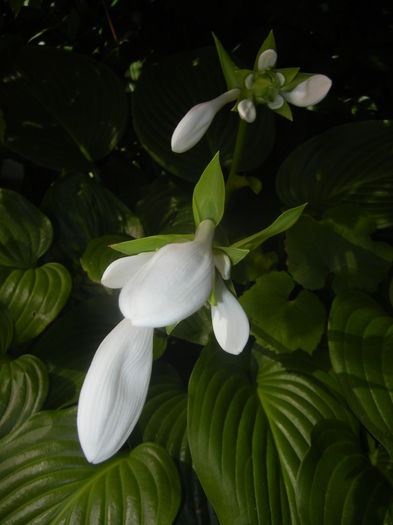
(167, 90)
(349, 163)
(34, 297)
(62, 110)
(81, 209)
(282, 322)
(6, 330)
(295, 396)
(336, 482)
(231, 444)
(45, 479)
(23, 390)
(69, 344)
(340, 244)
(25, 233)
(360, 338)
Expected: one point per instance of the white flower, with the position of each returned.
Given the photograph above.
(114, 390)
(196, 121)
(157, 289)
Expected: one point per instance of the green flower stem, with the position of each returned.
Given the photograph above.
(235, 181)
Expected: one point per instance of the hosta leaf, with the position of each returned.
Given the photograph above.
(336, 481)
(45, 479)
(295, 396)
(98, 255)
(280, 321)
(62, 110)
(167, 90)
(164, 416)
(25, 233)
(360, 335)
(6, 330)
(231, 443)
(339, 244)
(196, 328)
(34, 297)
(69, 344)
(23, 390)
(82, 209)
(349, 163)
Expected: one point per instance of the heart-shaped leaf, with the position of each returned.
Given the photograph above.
(62, 110)
(341, 245)
(231, 444)
(34, 297)
(25, 233)
(69, 344)
(167, 90)
(360, 335)
(349, 163)
(24, 387)
(283, 323)
(336, 482)
(54, 483)
(81, 209)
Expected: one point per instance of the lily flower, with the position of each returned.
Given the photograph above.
(157, 289)
(265, 85)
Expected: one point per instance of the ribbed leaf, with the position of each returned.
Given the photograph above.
(349, 163)
(164, 416)
(98, 255)
(295, 396)
(166, 91)
(336, 481)
(34, 297)
(340, 244)
(23, 390)
(45, 479)
(69, 344)
(81, 209)
(360, 338)
(282, 322)
(62, 110)
(6, 330)
(231, 443)
(25, 233)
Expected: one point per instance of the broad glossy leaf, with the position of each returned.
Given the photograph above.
(6, 330)
(34, 297)
(167, 90)
(44, 478)
(164, 416)
(62, 110)
(208, 200)
(231, 443)
(69, 344)
(25, 233)
(340, 244)
(98, 255)
(336, 482)
(360, 335)
(282, 322)
(23, 390)
(349, 163)
(81, 209)
(296, 395)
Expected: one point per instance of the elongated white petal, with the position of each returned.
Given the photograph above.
(174, 284)
(223, 264)
(277, 102)
(247, 111)
(196, 121)
(309, 92)
(119, 272)
(114, 390)
(230, 322)
(267, 58)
